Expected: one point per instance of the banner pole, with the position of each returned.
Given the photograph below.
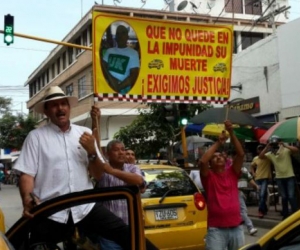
(184, 146)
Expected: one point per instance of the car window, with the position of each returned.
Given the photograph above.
(292, 242)
(160, 181)
(288, 241)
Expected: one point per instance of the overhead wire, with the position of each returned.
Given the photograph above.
(254, 23)
(29, 49)
(271, 71)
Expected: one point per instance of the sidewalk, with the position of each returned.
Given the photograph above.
(268, 221)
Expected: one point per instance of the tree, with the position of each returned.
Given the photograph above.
(149, 132)
(5, 104)
(14, 129)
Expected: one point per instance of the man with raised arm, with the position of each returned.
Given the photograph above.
(225, 230)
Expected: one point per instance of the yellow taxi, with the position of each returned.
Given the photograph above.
(284, 236)
(220, 67)
(174, 209)
(2, 222)
(156, 63)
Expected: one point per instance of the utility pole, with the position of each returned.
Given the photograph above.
(184, 146)
(273, 12)
(272, 17)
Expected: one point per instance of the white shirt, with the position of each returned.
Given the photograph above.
(195, 176)
(58, 163)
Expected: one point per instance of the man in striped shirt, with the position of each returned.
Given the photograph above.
(119, 173)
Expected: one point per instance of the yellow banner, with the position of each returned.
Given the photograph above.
(162, 61)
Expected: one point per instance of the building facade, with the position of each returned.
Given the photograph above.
(269, 72)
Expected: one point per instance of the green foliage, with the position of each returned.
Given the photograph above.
(14, 129)
(4, 104)
(149, 132)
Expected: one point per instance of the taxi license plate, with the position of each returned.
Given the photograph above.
(166, 214)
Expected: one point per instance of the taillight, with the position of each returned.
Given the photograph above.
(199, 201)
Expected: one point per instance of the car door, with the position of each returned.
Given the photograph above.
(285, 236)
(19, 233)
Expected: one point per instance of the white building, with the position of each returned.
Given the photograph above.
(269, 70)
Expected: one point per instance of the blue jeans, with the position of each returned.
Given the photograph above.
(106, 244)
(263, 185)
(287, 190)
(225, 238)
(244, 212)
(99, 221)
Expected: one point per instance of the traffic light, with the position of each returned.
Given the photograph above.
(184, 114)
(170, 114)
(8, 29)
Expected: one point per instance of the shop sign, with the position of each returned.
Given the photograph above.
(250, 106)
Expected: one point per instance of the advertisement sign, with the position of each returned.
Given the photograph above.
(250, 106)
(153, 60)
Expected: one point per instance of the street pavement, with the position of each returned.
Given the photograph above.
(10, 203)
(270, 220)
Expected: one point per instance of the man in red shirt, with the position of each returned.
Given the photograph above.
(225, 229)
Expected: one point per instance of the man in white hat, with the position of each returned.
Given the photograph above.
(55, 160)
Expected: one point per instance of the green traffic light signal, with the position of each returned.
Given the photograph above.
(183, 121)
(8, 29)
(184, 114)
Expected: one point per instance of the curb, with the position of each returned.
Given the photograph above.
(264, 223)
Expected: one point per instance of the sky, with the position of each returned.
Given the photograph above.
(51, 19)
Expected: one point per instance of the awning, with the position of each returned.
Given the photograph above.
(194, 128)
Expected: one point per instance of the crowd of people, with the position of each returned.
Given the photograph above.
(48, 172)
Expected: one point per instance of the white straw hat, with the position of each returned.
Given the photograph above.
(54, 93)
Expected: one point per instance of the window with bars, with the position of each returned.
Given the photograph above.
(249, 38)
(53, 70)
(250, 7)
(78, 50)
(31, 90)
(47, 76)
(82, 87)
(38, 84)
(69, 90)
(253, 8)
(90, 33)
(84, 38)
(64, 63)
(34, 88)
(92, 79)
(58, 65)
(42, 84)
(70, 55)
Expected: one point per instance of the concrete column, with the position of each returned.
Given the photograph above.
(239, 41)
